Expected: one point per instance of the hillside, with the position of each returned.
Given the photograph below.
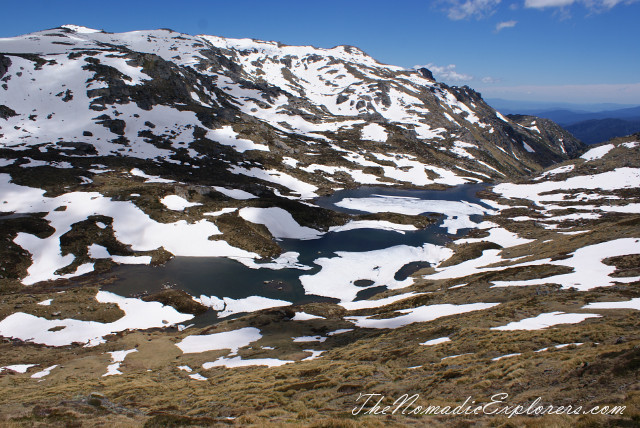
(171, 97)
(200, 231)
(540, 296)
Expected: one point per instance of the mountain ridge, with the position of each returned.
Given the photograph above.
(282, 98)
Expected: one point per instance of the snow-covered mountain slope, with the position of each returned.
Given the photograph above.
(330, 117)
(130, 148)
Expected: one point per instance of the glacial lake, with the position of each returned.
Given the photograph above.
(222, 277)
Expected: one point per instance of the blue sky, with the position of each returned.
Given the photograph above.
(581, 51)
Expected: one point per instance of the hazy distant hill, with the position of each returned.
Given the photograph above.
(598, 130)
(536, 107)
(590, 127)
(570, 117)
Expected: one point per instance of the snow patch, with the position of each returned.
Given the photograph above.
(240, 362)
(629, 304)
(419, 314)
(228, 306)
(149, 178)
(232, 340)
(303, 316)
(280, 223)
(597, 152)
(117, 357)
(373, 224)
(457, 213)
(338, 274)
(177, 203)
(44, 372)
(374, 132)
(235, 193)
(437, 341)
(546, 320)
(138, 315)
(18, 368)
(228, 137)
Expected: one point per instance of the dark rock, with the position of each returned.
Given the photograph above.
(115, 125)
(76, 148)
(426, 73)
(6, 112)
(5, 63)
(68, 96)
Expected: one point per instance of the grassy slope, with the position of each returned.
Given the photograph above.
(322, 392)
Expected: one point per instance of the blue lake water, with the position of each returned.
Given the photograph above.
(223, 277)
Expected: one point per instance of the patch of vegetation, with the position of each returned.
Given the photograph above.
(178, 299)
(626, 266)
(14, 260)
(246, 235)
(466, 252)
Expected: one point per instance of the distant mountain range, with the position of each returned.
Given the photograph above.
(533, 107)
(589, 126)
(596, 131)
(571, 117)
